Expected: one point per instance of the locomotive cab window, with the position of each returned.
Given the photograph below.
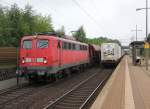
(42, 43)
(27, 44)
(69, 46)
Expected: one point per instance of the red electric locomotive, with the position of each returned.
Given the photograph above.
(48, 55)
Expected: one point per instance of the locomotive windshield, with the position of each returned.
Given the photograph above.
(42, 44)
(27, 44)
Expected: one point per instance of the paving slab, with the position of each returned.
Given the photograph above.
(140, 84)
(128, 88)
(112, 95)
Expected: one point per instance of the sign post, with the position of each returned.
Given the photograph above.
(146, 47)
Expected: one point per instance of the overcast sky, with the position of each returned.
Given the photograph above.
(108, 18)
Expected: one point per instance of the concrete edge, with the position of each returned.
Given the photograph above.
(104, 92)
(129, 100)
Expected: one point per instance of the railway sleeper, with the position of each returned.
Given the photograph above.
(83, 91)
(76, 98)
(67, 106)
(72, 101)
(81, 94)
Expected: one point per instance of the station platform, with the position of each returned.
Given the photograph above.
(127, 88)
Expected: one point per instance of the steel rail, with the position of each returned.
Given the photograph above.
(88, 99)
(53, 103)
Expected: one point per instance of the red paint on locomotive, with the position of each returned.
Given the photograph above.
(50, 54)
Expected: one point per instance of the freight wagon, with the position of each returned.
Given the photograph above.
(111, 53)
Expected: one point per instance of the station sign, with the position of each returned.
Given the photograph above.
(146, 45)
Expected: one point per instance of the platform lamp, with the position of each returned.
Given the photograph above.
(147, 51)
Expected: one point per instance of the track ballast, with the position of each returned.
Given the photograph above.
(80, 95)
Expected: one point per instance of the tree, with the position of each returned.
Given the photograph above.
(28, 19)
(16, 22)
(2, 25)
(43, 24)
(80, 34)
(61, 32)
(14, 26)
(100, 40)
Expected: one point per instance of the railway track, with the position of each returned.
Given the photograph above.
(80, 96)
(36, 96)
(14, 93)
(29, 96)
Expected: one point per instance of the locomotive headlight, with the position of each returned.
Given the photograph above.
(45, 61)
(23, 61)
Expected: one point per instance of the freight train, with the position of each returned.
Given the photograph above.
(48, 56)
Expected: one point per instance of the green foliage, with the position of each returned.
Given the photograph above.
(80, 34)
(16, 22)
(61, 32)
(100, 40)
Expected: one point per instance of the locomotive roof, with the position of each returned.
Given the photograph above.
(52, 37)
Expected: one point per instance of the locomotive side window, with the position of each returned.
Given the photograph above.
(42, 43)
(27, 44)
(64, 45)
(85, 47)
(59, 46)
(80, 47)
(70, 46)
(77, 47)
(73, 46)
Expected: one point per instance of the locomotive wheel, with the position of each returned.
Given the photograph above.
(32, 78)
(53, 78)
(68, 72)
(83, 68)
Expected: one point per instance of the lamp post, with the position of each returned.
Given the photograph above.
(136, 30)
(147, 53)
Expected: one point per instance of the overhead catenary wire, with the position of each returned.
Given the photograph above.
(85, 12)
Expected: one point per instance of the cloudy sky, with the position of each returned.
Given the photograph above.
(109, 18)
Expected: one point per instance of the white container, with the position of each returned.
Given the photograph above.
(110, 53)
